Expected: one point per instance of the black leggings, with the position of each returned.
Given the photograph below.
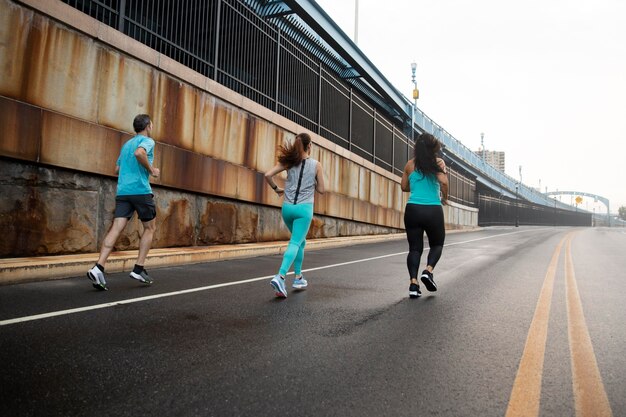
(417, 220)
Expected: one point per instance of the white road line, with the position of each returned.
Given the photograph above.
(225, 284)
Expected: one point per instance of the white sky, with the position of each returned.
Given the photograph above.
(545, 80)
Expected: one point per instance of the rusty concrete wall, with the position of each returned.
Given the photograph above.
(46, 211)
(69, 88)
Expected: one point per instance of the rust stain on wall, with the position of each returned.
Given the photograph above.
(264, 139)
(204, 114)
(364, 184)
(228, 134)
(174, 112)
(64, 138)
(22, 227)
(62, 69)
(217, 224)
(20, 130)
(246, 229)
(316, 230)
(183, 169)
(124, 91)
(40, 223)
(174, 226)
(14, 31)
(250, 143)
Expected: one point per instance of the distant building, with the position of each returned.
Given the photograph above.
(493, 158)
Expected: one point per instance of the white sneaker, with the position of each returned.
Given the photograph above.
(97, 278)
(300, 283)
(278, 284)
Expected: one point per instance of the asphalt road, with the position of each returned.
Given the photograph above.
(504, 335)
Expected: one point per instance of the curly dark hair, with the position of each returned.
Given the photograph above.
(425, 154)
(290, 155)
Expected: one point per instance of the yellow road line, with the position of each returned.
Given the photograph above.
(526, 391)
(589, 394)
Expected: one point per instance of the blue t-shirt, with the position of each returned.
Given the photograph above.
(133, 177)
(424, 189)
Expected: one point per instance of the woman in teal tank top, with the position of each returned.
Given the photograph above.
(425, 177)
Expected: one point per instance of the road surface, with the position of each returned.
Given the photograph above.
(526, 321)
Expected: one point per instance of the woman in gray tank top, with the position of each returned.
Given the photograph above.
(304, 177)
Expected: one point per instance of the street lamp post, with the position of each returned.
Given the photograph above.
(555, 211)
(416, 95)
(516, 197)
(516, 207)
(482, 146)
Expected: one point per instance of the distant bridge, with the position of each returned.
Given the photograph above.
(596, 197)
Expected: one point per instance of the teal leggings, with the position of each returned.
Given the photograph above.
(298, 219)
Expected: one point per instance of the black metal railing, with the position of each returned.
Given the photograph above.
(504, 211)
(229, 42)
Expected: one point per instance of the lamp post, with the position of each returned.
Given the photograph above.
(555, 216)
(482, 146)
(516, 206)
(356, 21)
(519, 184)
(416, 95)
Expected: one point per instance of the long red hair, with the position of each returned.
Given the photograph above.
(290, 154)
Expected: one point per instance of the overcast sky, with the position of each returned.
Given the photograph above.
(545, 80)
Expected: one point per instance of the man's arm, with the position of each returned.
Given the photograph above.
(142, 158)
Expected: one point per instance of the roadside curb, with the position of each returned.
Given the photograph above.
(17, 270)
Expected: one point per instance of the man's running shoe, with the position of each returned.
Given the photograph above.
(414, 290)
(428, 280)
(300, 283)
(278, 284)
(97, 278)
(142, 277)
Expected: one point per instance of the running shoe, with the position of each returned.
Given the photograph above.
(278, 284)
(97, 278)
(300, 283)
(142, 277)
(414, 290)
(428, 280)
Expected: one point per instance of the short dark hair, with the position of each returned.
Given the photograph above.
(141, 122)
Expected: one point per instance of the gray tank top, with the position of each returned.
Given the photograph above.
(306, 191)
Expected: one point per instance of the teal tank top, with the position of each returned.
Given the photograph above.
(424, 189)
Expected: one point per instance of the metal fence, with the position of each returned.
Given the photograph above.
(502, 211)
(227, 41)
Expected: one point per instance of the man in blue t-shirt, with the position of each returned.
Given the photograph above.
(134, 167)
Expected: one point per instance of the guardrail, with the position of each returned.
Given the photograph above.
(452, 144)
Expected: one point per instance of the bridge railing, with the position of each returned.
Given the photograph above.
(426, 124)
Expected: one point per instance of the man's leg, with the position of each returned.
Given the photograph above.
(119, 223)
(145, 243)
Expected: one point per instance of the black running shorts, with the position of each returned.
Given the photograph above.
(143, 204)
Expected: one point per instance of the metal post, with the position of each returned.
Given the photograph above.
(277, 75)
(218, 18)
(350, 120)
(415, 95)
(482, 145)
(374, 136)
(516, 207)
(121, 16)
(319, 100)
(356, 21)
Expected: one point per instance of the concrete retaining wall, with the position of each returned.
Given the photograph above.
(69, 89)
